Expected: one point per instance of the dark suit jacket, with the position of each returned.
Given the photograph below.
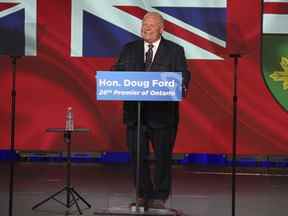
(169, 57)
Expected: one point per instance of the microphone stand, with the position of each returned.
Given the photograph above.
(122, 67)
(12, 138)
(138, 162)
(235, 57)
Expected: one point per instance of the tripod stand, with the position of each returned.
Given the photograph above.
(72, 196)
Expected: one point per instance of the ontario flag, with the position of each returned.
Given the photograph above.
(64, 42)
(275, 49)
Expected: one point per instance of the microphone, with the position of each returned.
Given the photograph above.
(128, 66)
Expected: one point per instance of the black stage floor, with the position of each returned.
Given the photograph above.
(196, 190)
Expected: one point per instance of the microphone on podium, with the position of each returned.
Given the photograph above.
(128, 66)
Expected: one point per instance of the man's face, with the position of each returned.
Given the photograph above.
(151, 29)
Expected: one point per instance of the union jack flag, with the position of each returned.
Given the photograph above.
(102, 28)
(18, 27)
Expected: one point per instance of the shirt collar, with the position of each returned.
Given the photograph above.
(155, 44)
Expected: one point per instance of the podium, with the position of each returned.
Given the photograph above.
(72, 196)
(138, 86)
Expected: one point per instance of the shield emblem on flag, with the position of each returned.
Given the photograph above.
(275, 50)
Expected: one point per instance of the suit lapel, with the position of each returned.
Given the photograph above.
(140, 53)
(160, 54)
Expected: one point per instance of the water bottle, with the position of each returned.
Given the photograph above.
(69, 119)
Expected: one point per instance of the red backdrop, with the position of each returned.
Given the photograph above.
(52, 81)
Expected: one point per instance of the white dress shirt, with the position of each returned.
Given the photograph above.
(155, 47)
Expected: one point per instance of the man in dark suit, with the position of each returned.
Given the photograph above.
(159, 119)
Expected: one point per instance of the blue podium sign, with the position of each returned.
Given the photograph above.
(139, 86)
